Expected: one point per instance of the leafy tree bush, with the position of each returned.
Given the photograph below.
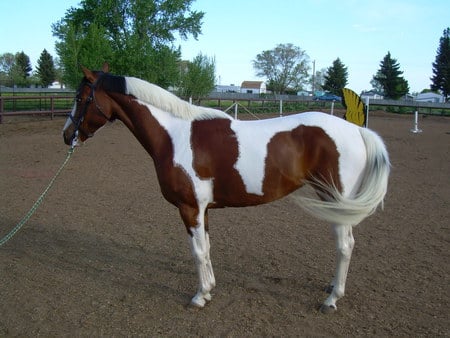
(197, 77)
(135, 37)
(285, 67)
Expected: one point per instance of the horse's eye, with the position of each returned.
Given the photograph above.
(78, 99)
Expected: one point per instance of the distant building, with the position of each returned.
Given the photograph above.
(253, 87)
(430, 97)
(57, 85)
(371, 94)
(228, 89)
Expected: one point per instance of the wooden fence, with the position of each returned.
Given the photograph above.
(50, 105)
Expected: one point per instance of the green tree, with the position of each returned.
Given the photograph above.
(318, 79)
(7, 61)
(46, 69)
(21, 69)
(441, 66)
(197, 77)
(135, 36)
(389, 78)
(58, 71)
(336, 77)
(285, 67)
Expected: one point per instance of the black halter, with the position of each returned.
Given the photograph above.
(78, 121)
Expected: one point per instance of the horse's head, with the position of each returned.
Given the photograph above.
(91, 110)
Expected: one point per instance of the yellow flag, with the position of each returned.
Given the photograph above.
(356, 109)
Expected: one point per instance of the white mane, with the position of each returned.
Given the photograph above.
(168, 102)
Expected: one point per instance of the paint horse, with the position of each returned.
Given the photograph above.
(206, 159)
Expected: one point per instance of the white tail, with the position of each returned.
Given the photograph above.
(373, 187)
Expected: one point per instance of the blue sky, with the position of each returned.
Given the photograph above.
(360, 33)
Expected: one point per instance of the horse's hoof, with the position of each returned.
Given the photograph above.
(199, 301)
(207, 297)
(196, 304)
(327, 309)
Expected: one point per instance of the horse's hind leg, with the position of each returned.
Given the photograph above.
(209, 268)
(344, 247)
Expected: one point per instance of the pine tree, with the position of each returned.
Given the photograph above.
(336, 77)
(21, 69)
(46, 69)
(441, 66)
(389, 78)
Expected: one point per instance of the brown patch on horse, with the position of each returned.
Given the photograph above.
(294, 157)
(216, 151)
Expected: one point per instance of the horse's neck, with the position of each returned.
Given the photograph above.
(149, 126)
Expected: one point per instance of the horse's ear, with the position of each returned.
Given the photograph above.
(105, 67)
(88, 74)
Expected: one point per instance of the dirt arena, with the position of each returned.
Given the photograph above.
(106, 255)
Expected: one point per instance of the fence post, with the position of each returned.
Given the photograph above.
(281, 107)
(52, 108)
(1, 109)
(416, 130)
(367, 112)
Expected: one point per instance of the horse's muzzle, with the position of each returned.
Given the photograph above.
(67, 140)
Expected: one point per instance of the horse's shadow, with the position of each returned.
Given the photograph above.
(119, 265)
(130, 268)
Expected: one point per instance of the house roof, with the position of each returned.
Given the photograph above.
(429, 94)
(252, 84)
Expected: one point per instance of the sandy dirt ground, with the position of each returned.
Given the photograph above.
(106, 255)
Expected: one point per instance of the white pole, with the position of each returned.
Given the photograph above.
(235, 110)
(332, 108)
(281, 107)
(190, 99)
(416, 123)
(367, 112)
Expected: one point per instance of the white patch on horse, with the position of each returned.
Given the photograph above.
(180, 134)
(69, 120)
(252, 143)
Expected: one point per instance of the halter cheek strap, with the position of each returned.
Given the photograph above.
(77, 122)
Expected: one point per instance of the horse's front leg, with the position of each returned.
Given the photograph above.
(200, 247)
(344, 247)
(199, 242)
